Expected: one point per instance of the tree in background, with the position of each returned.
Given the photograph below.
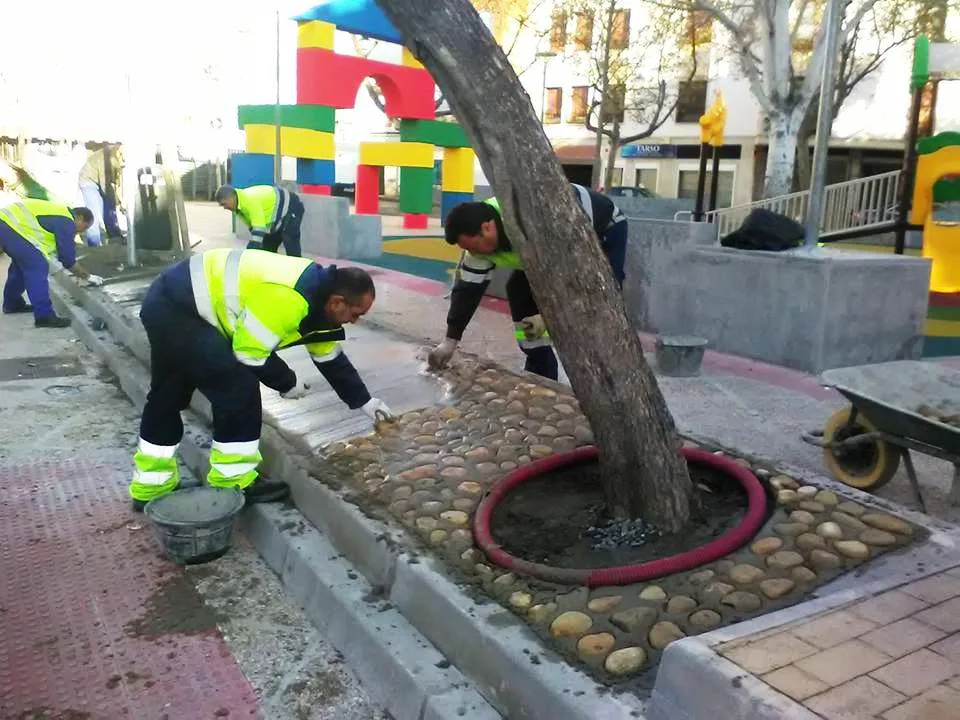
(642, 469)
(630, 67)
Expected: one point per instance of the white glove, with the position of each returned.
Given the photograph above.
(297, 391)
(441, 354)
(94, 280)
(533, 327)
(377, 410)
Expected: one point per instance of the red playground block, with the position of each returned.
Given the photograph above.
(326, 78)
(413, 221)
(367, 192)
(316, 189)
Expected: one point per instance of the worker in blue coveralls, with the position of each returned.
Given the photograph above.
(34, 232)
(272, 213)
(478, 229)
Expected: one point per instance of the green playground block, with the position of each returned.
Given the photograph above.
(416, 190)
(436, 132)
(936, 142)
(308, 117)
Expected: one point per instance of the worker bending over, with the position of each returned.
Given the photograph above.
(215, 322)
(478, 229)
(32, 233)
(272, 213)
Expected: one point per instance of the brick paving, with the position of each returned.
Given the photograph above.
(894, 656)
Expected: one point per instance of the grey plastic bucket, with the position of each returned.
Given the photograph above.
(680, 355)
(195, 525)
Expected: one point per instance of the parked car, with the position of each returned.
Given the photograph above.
(631, 191)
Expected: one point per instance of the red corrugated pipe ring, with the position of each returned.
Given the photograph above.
(731, 540)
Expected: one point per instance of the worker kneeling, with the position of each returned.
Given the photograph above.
(273, 214)
(478, 229)
(215, 322)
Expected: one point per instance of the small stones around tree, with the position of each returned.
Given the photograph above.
(461, 537)
(470, 488)
(851, 508)
(570, 624)
(803, 574)
(823, 560)
(767, 545)
(882, 521)
(745, 574)
(625, 660)
(714, 591)
(604, 604)
(505, 579)
(827, 498)
(705, 619)
(565, 409)
(802, 516)
(807, 491)
(539, 451)
(664, 633)
(453, 472)
(848, 521)
(467, 505)
(479, 454)
(810, 541)
(455, 517)
(742, 601)
(426, 524)
(653, 592)
(701, 576)
(785, 559)
(811, 506)
(483, 570)
(775, 588)
(432, 507)
(438, 536)
(471, 555)
(784, 482)
(402, 493)
(508, 466)
(830, 531)
(486, 468)
(542, 612)
(634, 619)
(853, 549)
(681, 604)
(790, 529)
(418, 473)
(595, 645)
(880, 538)
(786, 496)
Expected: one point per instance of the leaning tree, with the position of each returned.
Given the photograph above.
(642, 470)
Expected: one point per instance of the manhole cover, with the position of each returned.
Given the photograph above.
(43, 366)
(62, 390)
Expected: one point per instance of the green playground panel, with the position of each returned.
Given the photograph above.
(308, 117)
(435, 132)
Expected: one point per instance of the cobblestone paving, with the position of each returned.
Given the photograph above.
(431, 468)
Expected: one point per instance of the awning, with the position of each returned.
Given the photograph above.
(573, 151)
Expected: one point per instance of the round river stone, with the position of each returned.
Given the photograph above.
(823, 560)
(853, 549)
(604, 604)
(542, 612)
(830, 530)
(803, 574)
(742, 601)
(882, 521)
(848, 521)
(455, 517)
(809, 541)
(811, 506)
(595, 645)
(807, 491)
(652, 592)
(790, 529)
(776, 587)
(786, 496)
(880, 538)
(625, 660)
(634, 619)
(701, 576)
(711, 592)
(785, 559)
(767, 545)
(851, 508)
(705, 619)
(745, 574)
(470, 488)
(802, 516)
(570, 624)
(664, 633)
(827, 497)
(681, 604)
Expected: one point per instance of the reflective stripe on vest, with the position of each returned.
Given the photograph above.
(23, 222)
(585, 201)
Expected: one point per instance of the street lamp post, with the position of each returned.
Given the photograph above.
(545, 57)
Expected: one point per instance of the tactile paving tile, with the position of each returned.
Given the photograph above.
(93, 622)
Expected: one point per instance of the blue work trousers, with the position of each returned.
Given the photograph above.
(29, 270)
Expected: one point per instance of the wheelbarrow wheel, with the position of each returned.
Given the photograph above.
(868, 466)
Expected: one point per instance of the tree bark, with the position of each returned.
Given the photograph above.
(614, 140)
(781, 154)
(642, 469)
(804, 169)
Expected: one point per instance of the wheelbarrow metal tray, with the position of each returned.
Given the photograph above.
(890, 394)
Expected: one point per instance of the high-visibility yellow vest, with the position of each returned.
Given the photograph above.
(262, 207)
(22, 218)
(250, 296)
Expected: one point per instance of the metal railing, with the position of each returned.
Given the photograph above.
(852, 205)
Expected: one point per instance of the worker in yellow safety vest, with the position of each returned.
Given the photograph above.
(272, 213)
(34, 233)
(215, 322)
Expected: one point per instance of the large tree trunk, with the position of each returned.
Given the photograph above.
(781, 154)
(612, 154)
(804, 169)
(641, 466)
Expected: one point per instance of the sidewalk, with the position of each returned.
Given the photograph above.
(93, 623)
(758, 409)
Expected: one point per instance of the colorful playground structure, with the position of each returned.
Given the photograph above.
(328, 81)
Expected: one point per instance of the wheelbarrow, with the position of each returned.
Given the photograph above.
(895, 407)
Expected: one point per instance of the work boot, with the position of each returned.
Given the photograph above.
(265, 491)
(138, 505)
(53, 321)
(25, 308)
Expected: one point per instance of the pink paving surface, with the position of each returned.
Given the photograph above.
(93, 623)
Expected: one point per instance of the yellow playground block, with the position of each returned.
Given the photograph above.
(294, 142)
(396, 154)
(941, 240)
(457, 170)
(315, 34)
(408, 60)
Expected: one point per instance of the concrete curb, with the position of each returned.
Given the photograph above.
(398, 666)
(504, 672)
